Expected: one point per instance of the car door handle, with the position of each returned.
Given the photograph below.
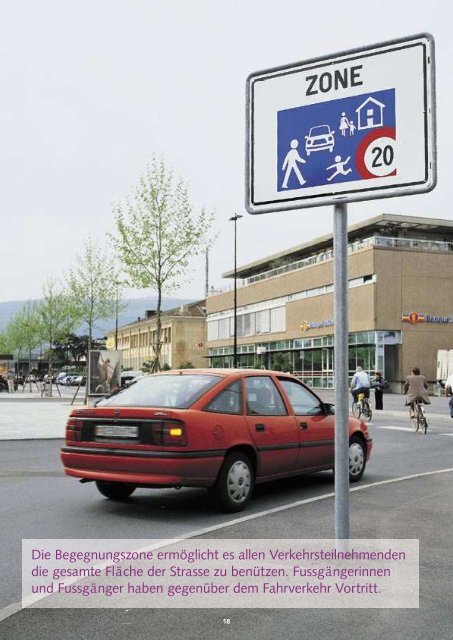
(303, 425)
(260, 427)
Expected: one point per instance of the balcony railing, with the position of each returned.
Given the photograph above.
(357, 245)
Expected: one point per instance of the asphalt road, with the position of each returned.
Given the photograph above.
(38, 501)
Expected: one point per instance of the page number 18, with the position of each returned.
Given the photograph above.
(226, 621)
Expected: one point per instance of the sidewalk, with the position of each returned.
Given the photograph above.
(30, 419)
(394, 406)
(25, 416)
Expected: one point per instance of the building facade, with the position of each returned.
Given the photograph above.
(400, 269)
(183, 338)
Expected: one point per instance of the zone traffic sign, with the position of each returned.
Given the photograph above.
(350, 126)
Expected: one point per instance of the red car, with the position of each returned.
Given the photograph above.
(226, 430)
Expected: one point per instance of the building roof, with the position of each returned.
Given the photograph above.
(385, 223)
(195, 309)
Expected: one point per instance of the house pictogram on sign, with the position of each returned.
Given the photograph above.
(370, 114)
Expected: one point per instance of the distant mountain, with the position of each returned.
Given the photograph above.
(135, 308)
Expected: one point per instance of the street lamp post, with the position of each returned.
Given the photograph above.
(234, 219)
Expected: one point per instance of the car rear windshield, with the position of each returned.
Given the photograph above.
(177, 391)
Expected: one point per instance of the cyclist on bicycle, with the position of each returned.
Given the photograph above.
(360, 383)
(415, 388)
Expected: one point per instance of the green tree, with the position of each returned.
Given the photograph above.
(28, 327)
(157, 232)
(282, 362)
(15, 336)
(5, 346)
(92, 286)
(52, 312)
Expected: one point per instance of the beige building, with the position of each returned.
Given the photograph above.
(183, 338)
(400, 270)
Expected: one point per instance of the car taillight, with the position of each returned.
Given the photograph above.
(73, 430)
(171, 434)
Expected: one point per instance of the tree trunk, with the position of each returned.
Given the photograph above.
(87, 362)
(158, 343)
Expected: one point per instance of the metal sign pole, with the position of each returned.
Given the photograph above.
(340, 247)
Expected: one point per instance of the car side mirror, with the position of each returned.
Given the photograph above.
(329, 409)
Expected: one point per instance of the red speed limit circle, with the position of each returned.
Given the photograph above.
(376, 155)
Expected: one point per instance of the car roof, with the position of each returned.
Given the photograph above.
(223, 372)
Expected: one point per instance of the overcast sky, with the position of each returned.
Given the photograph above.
(90, 90)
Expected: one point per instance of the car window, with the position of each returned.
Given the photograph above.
(172, 391)
(227, 401)
(263, 397)
(303, 402)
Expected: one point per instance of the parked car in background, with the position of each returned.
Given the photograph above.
(225, 430)
(78, 381)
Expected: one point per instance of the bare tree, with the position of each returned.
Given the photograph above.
(157, 234)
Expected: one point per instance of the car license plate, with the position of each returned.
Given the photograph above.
(116, 431)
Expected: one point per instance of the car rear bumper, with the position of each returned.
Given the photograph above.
(140, 467)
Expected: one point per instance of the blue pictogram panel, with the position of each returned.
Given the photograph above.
(337, 141)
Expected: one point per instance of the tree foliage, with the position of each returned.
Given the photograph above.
(92, 286)
(52, 313)
(157, 233)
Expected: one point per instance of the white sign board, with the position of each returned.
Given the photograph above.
(352, 126)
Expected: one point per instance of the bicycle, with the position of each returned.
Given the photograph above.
(419, 422)
(362, 407)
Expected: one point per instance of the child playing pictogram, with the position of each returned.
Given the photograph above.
(339, 167)
(290, 164)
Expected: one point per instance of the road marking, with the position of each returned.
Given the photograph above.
(13, 608)
(446, 434)
(397, 428)
(10, 610)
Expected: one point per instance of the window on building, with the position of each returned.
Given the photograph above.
(278, 319)
(224, 328)
(213, 330)
(263, 321)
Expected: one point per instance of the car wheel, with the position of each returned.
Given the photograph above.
(115, 490)
(234, 485)
(357, 459)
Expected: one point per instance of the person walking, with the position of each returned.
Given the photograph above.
(10, 378)
(415, 387)
(379, 385)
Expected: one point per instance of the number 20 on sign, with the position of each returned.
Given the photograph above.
(352, 126)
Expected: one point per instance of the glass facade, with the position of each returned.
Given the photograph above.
(311, 359)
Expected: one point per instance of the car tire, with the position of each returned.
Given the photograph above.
(115, 490)
(235, 483)
(357, 459)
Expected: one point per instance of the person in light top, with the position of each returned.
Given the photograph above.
(360, 383)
